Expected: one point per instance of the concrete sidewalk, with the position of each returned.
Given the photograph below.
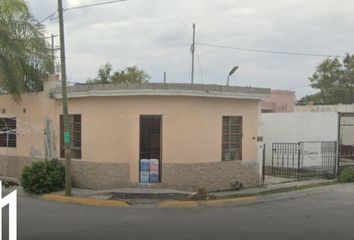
(124, 193)
(168, 198)
(141, 193)
(272, 187)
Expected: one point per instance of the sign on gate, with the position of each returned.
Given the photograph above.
(11, 201)
(311, 154)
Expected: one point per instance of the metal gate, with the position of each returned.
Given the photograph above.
(302, 160)
(346, 139)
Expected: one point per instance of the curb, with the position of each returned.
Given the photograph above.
(163, 204)
(84, 201)
(210, 203)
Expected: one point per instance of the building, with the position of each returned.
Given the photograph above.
(177, 136)
(345, 127)
(279, 101)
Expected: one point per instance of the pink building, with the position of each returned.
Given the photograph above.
(279, 101)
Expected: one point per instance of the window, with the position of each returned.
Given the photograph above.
(231, 138)
(75, 136)
(8, 132)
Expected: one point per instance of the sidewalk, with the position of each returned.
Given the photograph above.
(129, 193)
(168, 198)
(165, 194)
(272, 188)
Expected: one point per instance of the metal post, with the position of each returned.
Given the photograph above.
(298, 160)
(67, 138)
(339, 143)
(164, 77)
(263, 162)
(193, 50)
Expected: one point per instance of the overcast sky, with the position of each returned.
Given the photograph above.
(156, 35)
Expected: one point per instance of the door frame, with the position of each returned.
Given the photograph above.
(160, 116)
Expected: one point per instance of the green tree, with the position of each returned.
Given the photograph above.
(24, 55)
(334, 80)
(128, 75)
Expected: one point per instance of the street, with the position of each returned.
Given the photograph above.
(321, 213)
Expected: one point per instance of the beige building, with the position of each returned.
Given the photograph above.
(178, 136)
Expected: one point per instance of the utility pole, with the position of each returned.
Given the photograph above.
(67, 137)
(192, 50)
(53, 55)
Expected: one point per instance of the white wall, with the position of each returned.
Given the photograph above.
(298, 127)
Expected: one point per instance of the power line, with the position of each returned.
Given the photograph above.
(53, 16)
(94, 5)
(269, 51)
(46, 18)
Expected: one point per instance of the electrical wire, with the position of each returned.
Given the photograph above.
(94, 5)
(270, 51)
(53, 16)
(46, 18)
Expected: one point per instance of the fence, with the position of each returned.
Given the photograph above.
(302, 160)
(346, 139)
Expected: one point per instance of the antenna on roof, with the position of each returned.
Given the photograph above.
(192, 50)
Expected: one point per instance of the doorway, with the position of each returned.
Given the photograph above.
(150, 162)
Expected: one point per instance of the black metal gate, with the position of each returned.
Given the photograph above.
(302, 160)
(346, 139)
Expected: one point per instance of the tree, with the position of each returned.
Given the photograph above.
(24, 54)
(335, 80)
(128, 75)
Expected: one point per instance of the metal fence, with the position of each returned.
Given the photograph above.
(346, 139)
(302, 160)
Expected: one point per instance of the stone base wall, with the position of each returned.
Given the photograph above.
(189, 176)
(100, 175)
(12, 166)
(211, 176)
(85, 174)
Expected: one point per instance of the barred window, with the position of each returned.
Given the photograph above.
(75, 136)
(231, 138)
(8, 132)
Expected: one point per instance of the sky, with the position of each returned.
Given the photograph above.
(156, 35)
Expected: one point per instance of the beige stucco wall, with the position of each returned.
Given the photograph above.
(191, 127)
(30, 114)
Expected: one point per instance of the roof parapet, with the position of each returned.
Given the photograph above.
(163, 89)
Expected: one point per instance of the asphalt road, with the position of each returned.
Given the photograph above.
(322, 213)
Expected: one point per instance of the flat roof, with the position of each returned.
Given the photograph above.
(163, 89)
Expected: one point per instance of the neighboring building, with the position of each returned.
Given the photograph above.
(178, 136)
(298, 127)
(341, 108)
(345, 127)
(300, 145)
(279, 101)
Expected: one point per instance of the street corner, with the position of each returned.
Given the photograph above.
(84, 201)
